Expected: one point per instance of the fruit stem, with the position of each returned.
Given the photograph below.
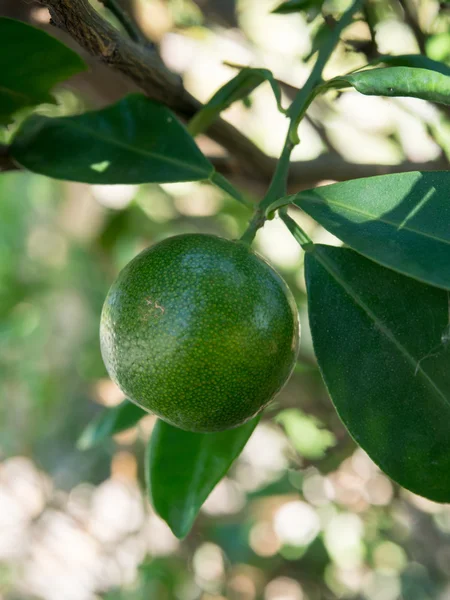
(256, 223)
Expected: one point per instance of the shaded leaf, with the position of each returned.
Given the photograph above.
(399, 220)
(182, 468)
(293, 6)
(380, 341)
(398, 81)
(31, 64)
(247, 80)
(109, 422)
(136, 140)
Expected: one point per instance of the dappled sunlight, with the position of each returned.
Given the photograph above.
(280, 248)
(114, 196)
(263, 459)
(296, 524)
(226, 498)
(283, 588)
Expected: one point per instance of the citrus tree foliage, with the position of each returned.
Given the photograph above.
(379, 309)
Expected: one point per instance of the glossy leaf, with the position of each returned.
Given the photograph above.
(294, 6)
(31, 64)
(109, 422)
(417, 61)
(400, 220)
(182, 468)
(381, 341)
(398, 81)
(247, 80)
(134, 141)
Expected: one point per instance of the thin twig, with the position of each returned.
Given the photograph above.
(299, 106)
(371, 48)
(412, 20)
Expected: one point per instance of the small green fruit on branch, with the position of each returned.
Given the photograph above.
(200, 331)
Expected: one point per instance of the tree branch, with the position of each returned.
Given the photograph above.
(303, 174)
(307, 173)
(247, 164)
(146, 69)
(411, 19)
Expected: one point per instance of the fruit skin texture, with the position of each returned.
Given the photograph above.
(200, 331)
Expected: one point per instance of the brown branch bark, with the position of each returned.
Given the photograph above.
(146, 69)
(247, 165)
(306, 174)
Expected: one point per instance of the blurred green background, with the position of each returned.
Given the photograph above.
(303, 514)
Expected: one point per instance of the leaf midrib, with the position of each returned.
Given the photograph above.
(134, 149)
(380, 326)
(318, 200)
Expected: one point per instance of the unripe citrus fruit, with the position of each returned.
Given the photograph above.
(200, 331)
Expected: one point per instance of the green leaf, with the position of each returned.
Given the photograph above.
(31, 64)
(134, 141)
(182, 468)
(109, 422)
(247, 80)
(381, 341)
(397, 81)
(417, 61)
(293, 6)
(399, 220)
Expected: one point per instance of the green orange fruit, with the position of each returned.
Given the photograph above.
(200, 331)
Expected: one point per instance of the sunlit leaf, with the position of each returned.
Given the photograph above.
(399, 220)
(398, 81)
(31, 64)
(381, 341)
(182, 469)
(109, 422)
(136, 140)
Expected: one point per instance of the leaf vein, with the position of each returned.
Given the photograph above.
(138, 150)
(381, 327)
(379, 219)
